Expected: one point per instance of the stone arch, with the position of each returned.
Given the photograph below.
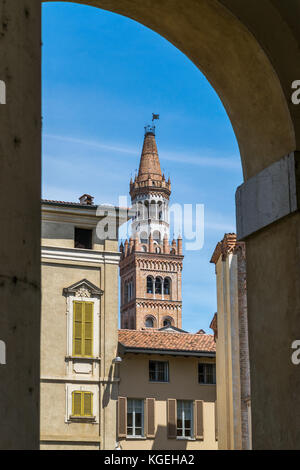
(167, 321)
(150, 320)
(236, 65)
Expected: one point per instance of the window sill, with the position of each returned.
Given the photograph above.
(82, 419)
(137, 438)
(207, 384)
(83, 358)
(159, 382)
(178, 438)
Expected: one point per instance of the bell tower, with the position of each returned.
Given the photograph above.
(150, 267)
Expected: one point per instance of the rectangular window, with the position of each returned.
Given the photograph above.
(206, 373)
(135, 418)
(83, 238)
(83, 328)
(158, 371)
(82, 404)
(184, 418)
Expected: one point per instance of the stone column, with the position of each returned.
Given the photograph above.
(20, 173)
(268, 219)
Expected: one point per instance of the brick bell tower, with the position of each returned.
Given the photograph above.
(150, 267)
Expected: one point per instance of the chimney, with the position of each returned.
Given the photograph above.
(86, 200)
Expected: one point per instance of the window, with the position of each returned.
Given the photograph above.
(184, 418)
(206, 373)
(83, 238)
(135, 418)
(83, 328)
(128, 291)
(82, 404)
(149, 285)
(158, 371)
(167, 322)
(167, 286)
(149, 322)
(158, 285)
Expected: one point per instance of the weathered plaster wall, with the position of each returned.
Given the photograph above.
(183, 385)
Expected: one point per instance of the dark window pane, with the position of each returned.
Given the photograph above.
(83, 238)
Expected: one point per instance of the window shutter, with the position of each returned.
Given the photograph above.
(199, 433)
(172, 418)
(150, 417)
(216, 421)
(76, 398)
(88, 329)
(77, 328)
(122, 417)
(87, 404)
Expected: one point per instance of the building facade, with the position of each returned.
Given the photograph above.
(171, 406)
(230, 326)
(150, 267)
(79, 332)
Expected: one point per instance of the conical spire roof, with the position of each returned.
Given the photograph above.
(149, 163)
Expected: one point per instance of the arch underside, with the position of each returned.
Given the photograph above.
(253, 86)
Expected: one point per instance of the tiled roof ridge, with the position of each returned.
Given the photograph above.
(173, 333)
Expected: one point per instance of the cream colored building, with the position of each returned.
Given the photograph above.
(230, 325)
(79, 328)
(167, 390)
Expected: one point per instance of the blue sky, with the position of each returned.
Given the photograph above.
(103, 76)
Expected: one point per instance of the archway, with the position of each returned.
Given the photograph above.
(251, 69)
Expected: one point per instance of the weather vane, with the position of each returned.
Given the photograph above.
(151, 129)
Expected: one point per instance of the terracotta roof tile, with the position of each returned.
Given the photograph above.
(158, 340)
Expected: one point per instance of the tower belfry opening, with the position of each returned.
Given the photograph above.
(150, 266)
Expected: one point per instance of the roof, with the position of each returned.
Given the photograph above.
(166, 342)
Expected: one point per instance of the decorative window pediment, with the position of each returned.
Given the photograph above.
(83, 288)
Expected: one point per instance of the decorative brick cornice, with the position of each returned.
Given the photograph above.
(228, 245)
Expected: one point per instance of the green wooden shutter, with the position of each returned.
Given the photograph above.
(76, 403)
(87, 404)
(77, 328)
(88, 328)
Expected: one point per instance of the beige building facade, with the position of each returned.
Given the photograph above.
(230, 325)
(78, 327)
(167, 391)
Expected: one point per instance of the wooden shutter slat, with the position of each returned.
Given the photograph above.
(172, 418)
(87, 404)
(77, 328)
(150, 417)
(88, 329)
(122, 417)
(199, 430)
(76, 403)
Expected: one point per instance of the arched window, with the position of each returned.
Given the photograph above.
(149, 285)
(144, 237)
(158, 286)
(144, 248)
(149, 323)
(156, 236)
(152, 210)
(167, 286)
(157, 249)
(167, 322)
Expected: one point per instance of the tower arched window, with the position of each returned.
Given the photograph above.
(149, 285)
(158, 285)
(149, 323)
(167, 286)
(167, 322)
